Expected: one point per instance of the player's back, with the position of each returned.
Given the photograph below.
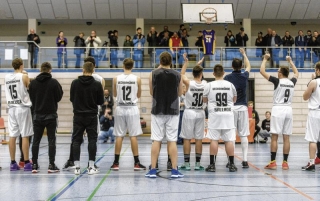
(16, 92)
(97, 77)
(127, 89)
(239, 80)
(194, 95)
(284, 92)
(314, 100)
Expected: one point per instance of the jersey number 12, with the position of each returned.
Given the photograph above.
(126, 93)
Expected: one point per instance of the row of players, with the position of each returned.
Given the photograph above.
(225, 97)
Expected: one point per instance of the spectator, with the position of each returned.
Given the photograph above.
(182, 108)
(181, 30)
(266, 41)
(79, 42)
(265, 125)
(230, 41)
(113, 37)
(185, 43)
(62, 42)
(242, 38)
(164, 42)
(93, 41)
(108, 102)
(138, 41)
(165, 29)
(174, 44)
(258, 43)
(153, 41)
(308, 40)
(300, 44)
(199, 43)
(287, 41)
(127, 43)
(275, 42)
(32, 48)
(255, 116)
(316, 42)
(107, 124)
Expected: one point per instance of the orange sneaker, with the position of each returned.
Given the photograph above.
(285, 165)
(272, 165)
(21, 164)
(317, 161)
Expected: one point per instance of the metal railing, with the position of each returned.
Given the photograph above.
(148, 58)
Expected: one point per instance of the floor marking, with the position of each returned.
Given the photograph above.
(104, 178)
(56, 195)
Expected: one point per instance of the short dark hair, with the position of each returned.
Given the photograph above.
(128, 63)
(199, 31)
(181, 25)
(284, 70)
(315, 31)
(236, 64)
(268, 112)
(88, 67)
(165, 58)
(218, 70)
(196, 71)
(317, 66)
(46, 67)
(90, 59)
(138, 28)
(309, 31)
(16, 63)
(250, 102)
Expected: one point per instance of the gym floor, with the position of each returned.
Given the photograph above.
(254, 183)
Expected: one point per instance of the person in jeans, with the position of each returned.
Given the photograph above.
(62, 42)
(79, 42)
(107, 124)
(32, 48)
(45, 93)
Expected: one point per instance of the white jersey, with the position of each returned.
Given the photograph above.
(127, 89)
(314, 100)
(16, 92)
(283, 90)
(194, 95)
(220, 95)
(97, 77)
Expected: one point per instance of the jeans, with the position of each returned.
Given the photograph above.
(285, 53)
(64, 57)
(315, 57)
(78, 60)
(180, 124)
(95, 54)
(103, 135)
(34, 57)
(138, 58)
(127, 53)
(199, 56)
(114, 57)
(38, 128)
(274, 56)
(299, 58)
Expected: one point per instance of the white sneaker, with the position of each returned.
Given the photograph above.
(92, 170)
(77, 171)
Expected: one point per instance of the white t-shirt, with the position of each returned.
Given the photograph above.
(283, 90)
(314, 100)
(127, 89)
(194, 95)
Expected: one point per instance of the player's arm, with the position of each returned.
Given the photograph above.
(294, 68)
(25, 79)
(115, 86)
(206, 93)
(246, 60)
(180, 88)
(185, 79)
(263, 66)
(150, 84)
(103, 83)
(311, 87)
(139, 87)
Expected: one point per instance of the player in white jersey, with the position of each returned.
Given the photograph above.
(19, 114)
(220, 96)
(193, 116)
(312, 94)
(127, 90)
(281, 119)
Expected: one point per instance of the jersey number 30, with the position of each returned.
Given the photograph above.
(126, 93)
(13, 91)
(198, 100)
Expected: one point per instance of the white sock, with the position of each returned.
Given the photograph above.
(311, 161)
(91, 164)
(244, 146)
(77, 164)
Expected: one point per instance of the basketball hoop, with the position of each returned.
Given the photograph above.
(209, 15)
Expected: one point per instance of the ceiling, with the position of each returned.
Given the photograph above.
(152, 9)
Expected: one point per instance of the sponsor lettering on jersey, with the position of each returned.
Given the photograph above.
(196, 89)
(223, 109)
(12, 81)
(221, 88)
(126, 82)
(14, 102)
(285, 85)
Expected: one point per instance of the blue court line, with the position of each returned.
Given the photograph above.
(56, 195)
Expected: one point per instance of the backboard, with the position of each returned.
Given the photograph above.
(207, 13)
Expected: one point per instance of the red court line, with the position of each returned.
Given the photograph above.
(274, 177)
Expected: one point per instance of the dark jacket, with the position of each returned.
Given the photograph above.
(277, 40)
(287, 41)
(300, 42)
(79, 42)
(161, 35)
(153, 41)
(113, 41)
(199, 43)
(164, 42)
(45, 93)
(316, 43)
(258, 42)
(232, 40)
(185, 41)
(106, 123)
(86, 94)
(110, 101)
(242, 40)
(128, 43)
(32, 46)
(255, 116)
(308, 40)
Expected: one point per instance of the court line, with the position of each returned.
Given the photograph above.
(275, 178)
(64, 188)
(104, 178)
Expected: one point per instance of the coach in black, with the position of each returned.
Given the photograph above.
(85, 94)
(45, 93)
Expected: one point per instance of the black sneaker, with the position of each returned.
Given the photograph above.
(245, 164)
(227, 166)
(169, 166)
(157, 167)
(139, 166)
(232, 168)
(309, 167)
(35, 168)
(211, 168)
(69, 165)
(53, 168)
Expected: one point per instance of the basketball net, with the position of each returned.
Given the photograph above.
(209, 14)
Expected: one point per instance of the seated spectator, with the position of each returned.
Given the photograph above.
(265, 125)
(107, 123)
(165, 29)
(255, 116)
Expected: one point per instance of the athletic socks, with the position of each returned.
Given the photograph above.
(77, 164)
(244, 146)
(213, 159)
(136, 159)
(198, 157)
(169, 159)
(273, 156)
(231, 159)
(318, 152)
(311, 161)
(91, 163)
(26, 162)
(13, 162)
(285, 157)
(116, 158)
(186, 158)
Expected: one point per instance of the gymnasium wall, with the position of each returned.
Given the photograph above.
(263, 97)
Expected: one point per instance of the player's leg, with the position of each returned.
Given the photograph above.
(51, 126)
(120, 130)
(243, 132)
(91, 128)
(70, 162)
(213, 155)
(21, 161)
(77, 137)
(286, 131)
(186, 154)
(38, 128)
(198, 135)
(228, 136)
(286, 150)
(12, 149)
(187, 133)
(317, 160)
